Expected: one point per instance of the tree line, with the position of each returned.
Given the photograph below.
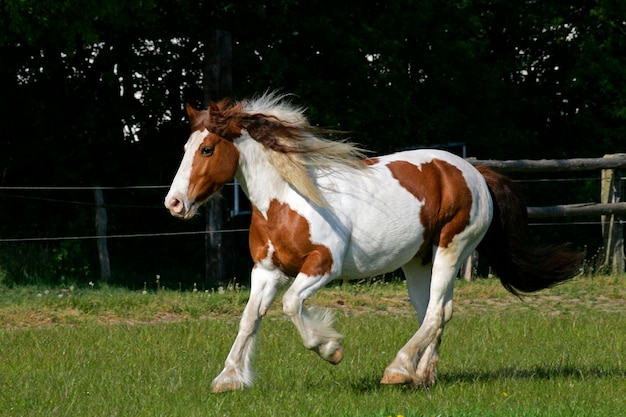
(94, 94)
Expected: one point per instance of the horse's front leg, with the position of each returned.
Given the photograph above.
(314, 324)
(237, 372)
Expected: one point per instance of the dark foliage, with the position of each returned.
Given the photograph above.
(94, 94)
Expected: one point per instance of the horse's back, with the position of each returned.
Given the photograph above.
(404, 203)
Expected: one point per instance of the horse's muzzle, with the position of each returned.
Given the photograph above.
(176, 206)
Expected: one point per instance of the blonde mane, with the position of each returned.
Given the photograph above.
(295, 147)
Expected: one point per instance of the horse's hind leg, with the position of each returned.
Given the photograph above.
(418, 277)
(416, 362)
(426, 371)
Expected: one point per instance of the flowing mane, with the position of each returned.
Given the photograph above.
(295, 148)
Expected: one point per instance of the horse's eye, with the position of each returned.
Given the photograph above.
(206, 151)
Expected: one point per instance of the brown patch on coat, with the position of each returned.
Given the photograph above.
(290, 236)
(447, 200)
(258, 237)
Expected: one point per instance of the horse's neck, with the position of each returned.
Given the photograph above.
(259, 180)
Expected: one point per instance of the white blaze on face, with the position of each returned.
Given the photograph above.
(176, 200)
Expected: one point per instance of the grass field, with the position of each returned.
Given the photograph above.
(112, 352)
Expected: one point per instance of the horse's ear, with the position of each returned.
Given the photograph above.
(214, 110)
(191, 112)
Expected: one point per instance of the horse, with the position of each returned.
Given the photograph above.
(323, 210)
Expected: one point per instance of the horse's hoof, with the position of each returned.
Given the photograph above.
(396, 378)
(225, 387)
(337, 356)
(226, 382)
(331, 352)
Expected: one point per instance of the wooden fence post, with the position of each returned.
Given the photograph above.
(612, 228)
(101, 231)
(468, 269)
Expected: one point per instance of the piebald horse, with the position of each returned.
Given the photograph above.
(321, 211)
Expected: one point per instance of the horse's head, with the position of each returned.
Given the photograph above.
(210, 161)
(294, 149)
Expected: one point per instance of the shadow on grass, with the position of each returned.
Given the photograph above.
(371, 383)
(538, 372)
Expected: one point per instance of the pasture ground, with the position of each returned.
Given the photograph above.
(113, 352)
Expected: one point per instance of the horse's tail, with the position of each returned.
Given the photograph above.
(521, 267)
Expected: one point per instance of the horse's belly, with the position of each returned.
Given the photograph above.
(360, 263)
(383, 243)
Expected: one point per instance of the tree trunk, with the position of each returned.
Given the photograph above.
(217, 84)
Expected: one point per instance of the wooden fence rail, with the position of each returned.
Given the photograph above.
(613, 161)
(611, 209)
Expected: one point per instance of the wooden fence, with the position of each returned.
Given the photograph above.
(611, 208)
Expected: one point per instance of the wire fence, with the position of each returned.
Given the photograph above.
(121, 236)
(13, 192)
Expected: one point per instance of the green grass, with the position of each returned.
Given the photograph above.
(113, 352)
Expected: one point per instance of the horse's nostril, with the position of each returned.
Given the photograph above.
(175, 205)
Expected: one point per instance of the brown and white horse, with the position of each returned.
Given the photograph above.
(322, 211)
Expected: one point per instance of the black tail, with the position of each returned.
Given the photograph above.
(521, 267)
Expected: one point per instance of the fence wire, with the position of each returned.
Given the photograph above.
(202, 232)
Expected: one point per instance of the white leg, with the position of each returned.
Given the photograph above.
(237, 371)
(315, 325)
(416, 362)
(419, 293)
(418, 284)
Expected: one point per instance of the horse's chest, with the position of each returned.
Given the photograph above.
(282, 237)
